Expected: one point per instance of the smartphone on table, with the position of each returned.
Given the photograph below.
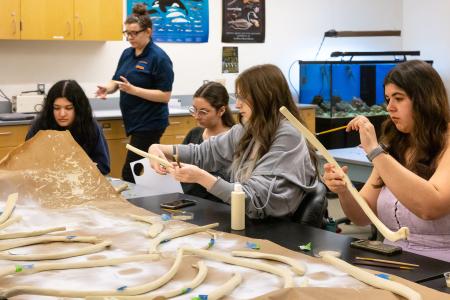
(376, 246)
(177, 204)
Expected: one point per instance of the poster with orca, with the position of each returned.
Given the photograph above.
(177, 21)
(243, 21)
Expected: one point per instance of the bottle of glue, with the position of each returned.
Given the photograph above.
(237, 208)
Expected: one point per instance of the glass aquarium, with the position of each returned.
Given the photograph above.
(343, 89)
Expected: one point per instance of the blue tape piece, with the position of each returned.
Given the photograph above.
(186, 290)
(211, 243)
(71, 237)
(29, 266)
(384, 276)
(253, 246)
(165, 217)
(122, 288)
(203, 297)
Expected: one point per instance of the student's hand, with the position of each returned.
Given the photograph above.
(367, 134)
(125, 85)
(102, 92)
(187, 173)
(334, 179)
(154, 150)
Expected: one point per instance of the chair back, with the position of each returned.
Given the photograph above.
(313, 208)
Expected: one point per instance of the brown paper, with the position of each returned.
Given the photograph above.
(58, 185)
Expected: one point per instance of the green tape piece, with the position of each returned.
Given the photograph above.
(306, 247)
(19, 268)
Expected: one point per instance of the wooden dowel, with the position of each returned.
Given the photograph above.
(386, 261)
(332, 130)
(381, 265)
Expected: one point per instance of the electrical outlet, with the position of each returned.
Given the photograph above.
(41, 88)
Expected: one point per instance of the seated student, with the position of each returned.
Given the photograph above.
(264, 153)
(67, 107)
(210, 110)
(409, 182)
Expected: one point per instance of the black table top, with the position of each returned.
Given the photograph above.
(291, 235)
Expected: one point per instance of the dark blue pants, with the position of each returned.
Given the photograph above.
(142, 141)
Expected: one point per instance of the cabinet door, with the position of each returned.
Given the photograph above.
(9, 19)
(98, 20)
(117, 153)
(47, 19)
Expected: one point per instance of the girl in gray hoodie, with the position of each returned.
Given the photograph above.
(264, 152)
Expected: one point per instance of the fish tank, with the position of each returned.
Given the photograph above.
(341, 90)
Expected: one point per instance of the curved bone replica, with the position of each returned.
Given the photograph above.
(97, 246)
(297, 267)
(125, 291)
(368, 278)
(201, 275)
(46, 239)
(283, 273)
(155, 227)
(10, 221)
(401, 234)
(26, 269)
(9, 207)
(226, 288)
(183, 232)
(161, 161)
(15, 235)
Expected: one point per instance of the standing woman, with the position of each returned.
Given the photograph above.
(67, 107)
(411, 167)
(144, 76)
(264, 153)
(213, 115)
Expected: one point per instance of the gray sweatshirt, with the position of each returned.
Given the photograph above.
(279, 181)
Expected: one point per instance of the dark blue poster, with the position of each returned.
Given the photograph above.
(177, 21)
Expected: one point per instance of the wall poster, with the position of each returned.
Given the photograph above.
(230, 60)
(243, 21)
(177, 21)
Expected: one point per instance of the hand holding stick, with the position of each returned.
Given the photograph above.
(402, 233)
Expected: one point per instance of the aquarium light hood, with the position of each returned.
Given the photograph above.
(375, 53)
(334, 33)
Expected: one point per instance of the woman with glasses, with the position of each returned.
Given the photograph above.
(67, 107)
(210, 110)
(264, 153)
(144, 76)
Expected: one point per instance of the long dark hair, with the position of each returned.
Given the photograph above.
(265, 89)
(83, 128)
(217, 96)
(140, 16)
(427, 141)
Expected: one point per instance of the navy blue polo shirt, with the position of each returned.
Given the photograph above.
(152, 69)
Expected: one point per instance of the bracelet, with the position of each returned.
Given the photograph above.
(376, 151)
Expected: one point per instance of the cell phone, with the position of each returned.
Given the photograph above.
(177, 204)
(376, 246)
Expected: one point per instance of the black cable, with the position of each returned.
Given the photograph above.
(3, 95)
(320, 47)
(289, 79)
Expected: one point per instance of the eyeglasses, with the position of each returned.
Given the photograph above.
(133, 33)
(201, 112)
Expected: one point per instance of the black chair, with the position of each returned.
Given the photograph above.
(313, 208)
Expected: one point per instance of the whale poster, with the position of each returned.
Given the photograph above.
(177, 21)
(243, 21)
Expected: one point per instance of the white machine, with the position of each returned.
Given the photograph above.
(28, 103)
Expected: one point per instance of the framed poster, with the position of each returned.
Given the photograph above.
(243, 21)
(177, 21)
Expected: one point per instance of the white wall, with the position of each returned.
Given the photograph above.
(425, 28)
(294, 30)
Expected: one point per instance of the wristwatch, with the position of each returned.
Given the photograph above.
(381, 148)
